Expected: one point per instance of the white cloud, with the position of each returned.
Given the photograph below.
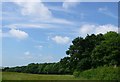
(35, 9)
(19, 34)
(86, 29)
(61, 40)
(36, 12)
(96, 29)
(39, 26)
(105, 28)
(39, 12)
(69, 3)
(61, 21)
(29, 25)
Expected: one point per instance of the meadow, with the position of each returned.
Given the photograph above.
(100, 73)
(25, 76)
(0, 76)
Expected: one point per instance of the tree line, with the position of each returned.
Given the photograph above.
(44, 68)
(84, 53)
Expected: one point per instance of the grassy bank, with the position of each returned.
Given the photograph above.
(100, 73)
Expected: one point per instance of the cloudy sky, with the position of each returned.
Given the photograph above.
(42, 31)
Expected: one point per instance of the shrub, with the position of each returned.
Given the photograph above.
(100, 73)
(76, 73)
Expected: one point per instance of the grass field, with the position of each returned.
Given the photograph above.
(100, 73)
(24, 76)
(0, 76)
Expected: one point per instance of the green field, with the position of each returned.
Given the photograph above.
(0, 76)
(100, 73)
(25, 76)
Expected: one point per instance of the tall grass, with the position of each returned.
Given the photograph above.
(100, 73)
(0, 76)
(25, 76)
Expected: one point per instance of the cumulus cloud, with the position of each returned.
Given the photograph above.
(86, 29)
(96, 29)
(61, 40)
(19, 34)
(15, 33)
(34, 9)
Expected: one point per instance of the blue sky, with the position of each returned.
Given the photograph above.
(42, 31)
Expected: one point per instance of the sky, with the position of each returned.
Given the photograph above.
(39, 32)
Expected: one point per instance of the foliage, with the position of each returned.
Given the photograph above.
(80, 51)
(76, 73)
(101, 73)
(108, 52)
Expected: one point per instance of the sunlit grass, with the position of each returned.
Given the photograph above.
(0, 76)
(25, 76)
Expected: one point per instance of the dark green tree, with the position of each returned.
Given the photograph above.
(108, 52)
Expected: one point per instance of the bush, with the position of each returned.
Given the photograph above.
(100, 73)
(76, 73)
